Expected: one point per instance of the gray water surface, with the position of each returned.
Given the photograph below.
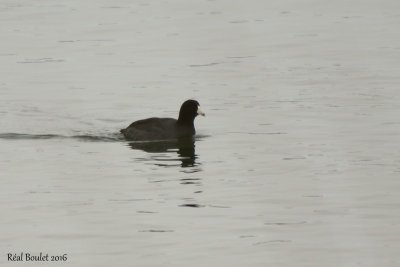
(295, 164)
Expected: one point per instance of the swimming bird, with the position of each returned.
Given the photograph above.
(165, 128)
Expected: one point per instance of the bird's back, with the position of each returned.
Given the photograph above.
(151, 129)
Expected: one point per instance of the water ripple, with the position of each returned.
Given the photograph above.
(83, 137)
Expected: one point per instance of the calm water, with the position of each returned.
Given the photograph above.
(295, 164)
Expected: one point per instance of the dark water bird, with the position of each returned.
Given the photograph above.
(165, 128)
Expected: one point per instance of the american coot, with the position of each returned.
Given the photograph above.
(165, 128)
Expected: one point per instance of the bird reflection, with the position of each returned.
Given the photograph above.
(184, 147)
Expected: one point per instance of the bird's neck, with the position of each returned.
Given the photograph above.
(185, 122)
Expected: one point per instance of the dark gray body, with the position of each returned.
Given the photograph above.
(157, 129)
(165, 128)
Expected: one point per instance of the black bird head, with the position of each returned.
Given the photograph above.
(189, 110)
